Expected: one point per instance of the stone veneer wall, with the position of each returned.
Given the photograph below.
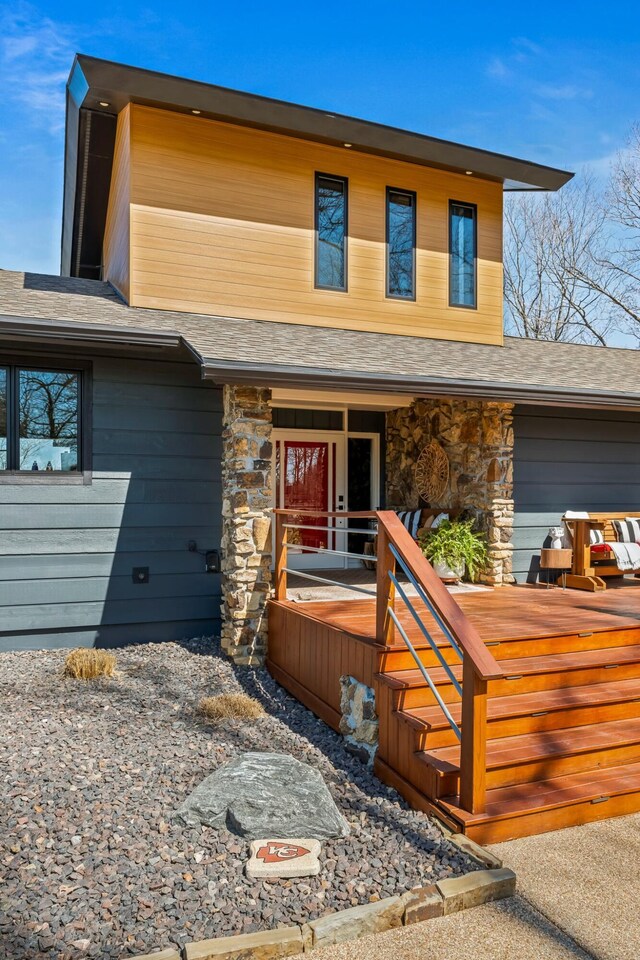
(478, 439)
(246, 521)
(359, 722)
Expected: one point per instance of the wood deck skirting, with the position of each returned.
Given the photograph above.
(571, 662)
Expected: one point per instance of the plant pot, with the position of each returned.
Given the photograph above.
(447, 573)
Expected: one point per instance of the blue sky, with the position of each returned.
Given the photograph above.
(535, 80)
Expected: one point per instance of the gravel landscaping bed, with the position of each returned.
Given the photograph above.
(92, 771)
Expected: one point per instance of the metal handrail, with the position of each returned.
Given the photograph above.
(334, 583)
(324, 550)
(312, 526)
(427, 602)
(283, 545)
(423, 670)
(425, 633)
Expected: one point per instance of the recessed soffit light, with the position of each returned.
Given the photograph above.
(347, 144)
(196, 112)
(104, 103)
(469, 173)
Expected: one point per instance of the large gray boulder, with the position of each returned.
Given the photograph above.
(265, 795)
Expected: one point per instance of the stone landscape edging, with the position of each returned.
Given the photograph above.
(439, 899)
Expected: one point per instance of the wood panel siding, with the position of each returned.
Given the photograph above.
(569, 460)
(222, 223)
(117, 240)
(67, 552)
(308, 657)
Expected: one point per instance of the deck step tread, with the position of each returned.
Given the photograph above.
(522, 798)
(526, 704)
(545, 745)
(523, 666)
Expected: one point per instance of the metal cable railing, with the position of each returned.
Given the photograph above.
(434, 646)
(284, 545)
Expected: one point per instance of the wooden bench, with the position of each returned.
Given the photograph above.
(591, 563)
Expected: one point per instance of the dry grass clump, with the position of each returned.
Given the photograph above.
(230, 706)
(87, 664)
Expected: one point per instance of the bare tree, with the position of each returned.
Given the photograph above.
(611, 265)
(549, 244)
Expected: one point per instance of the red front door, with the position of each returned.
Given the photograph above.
(310, 476)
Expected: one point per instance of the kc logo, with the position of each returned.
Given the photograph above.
(275, 852)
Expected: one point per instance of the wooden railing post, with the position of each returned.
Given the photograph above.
(280, 573)
(385, 590)
(473, 749)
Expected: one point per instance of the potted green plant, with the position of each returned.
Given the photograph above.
(453, 547)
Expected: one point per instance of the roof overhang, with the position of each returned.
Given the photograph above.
(286, 375)
(53, 332)
(90, 134)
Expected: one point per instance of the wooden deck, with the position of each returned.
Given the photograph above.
(508, 613)
(562, 722)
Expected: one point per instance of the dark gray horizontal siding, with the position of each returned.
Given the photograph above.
(67, 552)
(569, 460)
(109, 490)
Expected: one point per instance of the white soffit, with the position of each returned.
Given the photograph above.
(327, 399)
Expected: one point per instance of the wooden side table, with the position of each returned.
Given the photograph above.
(556, 559)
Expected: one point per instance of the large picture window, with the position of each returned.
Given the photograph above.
(331, 232)
(462, 258)
(40, 420)
(401, 244)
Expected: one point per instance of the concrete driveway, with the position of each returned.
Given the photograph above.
(578, 899)
(586, 881)
(507, 930)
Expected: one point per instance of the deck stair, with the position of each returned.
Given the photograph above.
(507, 712)
(563, 734)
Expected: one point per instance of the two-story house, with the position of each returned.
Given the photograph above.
(266, 305)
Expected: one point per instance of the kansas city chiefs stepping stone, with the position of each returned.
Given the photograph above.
(283, 858)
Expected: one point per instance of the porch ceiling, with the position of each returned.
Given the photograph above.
(230, 349)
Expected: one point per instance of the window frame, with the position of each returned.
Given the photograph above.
(316, 239)
(13, 363)
(414, 196)
(474, 207)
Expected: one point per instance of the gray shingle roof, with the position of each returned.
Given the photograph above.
(258, 351)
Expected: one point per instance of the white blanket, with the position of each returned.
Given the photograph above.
(627, 555)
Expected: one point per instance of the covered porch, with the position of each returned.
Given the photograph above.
(505, 707)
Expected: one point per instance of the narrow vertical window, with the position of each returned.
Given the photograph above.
(462, 259)
(3, 418)
(48, 410)
(331, 232)
(401, 244)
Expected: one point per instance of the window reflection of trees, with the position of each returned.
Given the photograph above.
(48, 414)
(330, 199)
(401, 241)
(462, 255)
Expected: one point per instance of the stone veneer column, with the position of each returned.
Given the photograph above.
(478, 439)
(246, 521)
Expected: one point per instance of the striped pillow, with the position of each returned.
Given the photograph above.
(634, 523)
(627, 531)
(410, 519)
(596, 536)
